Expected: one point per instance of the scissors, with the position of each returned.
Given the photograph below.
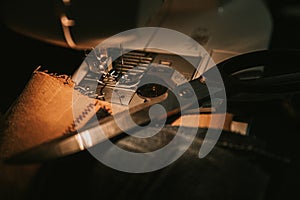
(242, 81)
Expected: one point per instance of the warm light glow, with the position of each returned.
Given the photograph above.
(79, 141)
(66, 2)
(84, 140)
(86, 137)
(66, 23)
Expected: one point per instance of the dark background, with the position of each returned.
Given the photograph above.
(21, 55)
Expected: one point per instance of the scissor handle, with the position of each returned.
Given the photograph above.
(281, 72)
(273, 60)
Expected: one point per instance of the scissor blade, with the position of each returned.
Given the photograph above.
(89, 135)
(100, 130)
(53, 149)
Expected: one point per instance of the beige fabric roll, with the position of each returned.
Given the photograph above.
(43, 111)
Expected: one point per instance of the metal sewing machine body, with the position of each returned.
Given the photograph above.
(124, 75)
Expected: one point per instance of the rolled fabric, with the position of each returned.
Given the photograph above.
(43, 111)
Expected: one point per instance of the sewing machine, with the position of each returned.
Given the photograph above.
(83, 25)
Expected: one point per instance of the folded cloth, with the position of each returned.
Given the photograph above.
(43, 111)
